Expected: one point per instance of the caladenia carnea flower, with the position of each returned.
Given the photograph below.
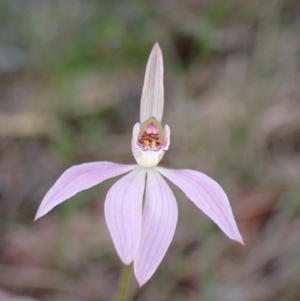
(142, 230)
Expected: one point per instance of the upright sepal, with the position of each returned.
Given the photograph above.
(152, 101)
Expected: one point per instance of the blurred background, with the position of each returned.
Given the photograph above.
(71, 76)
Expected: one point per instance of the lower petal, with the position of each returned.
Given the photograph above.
(159, 223)
(123, 213)
(207, 195)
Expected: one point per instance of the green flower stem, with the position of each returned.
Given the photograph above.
(123, 284)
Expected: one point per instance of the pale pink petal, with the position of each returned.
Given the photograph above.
(167, 134)
(136, 150)
(152, 101)
(123, 213)
(207, 195)
(159, 223)
(78, 178)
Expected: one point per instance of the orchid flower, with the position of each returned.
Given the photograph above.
(143, 230)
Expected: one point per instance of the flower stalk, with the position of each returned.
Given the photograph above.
(123, 284)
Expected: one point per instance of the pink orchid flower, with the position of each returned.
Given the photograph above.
(142, 231)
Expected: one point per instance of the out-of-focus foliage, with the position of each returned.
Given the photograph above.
(71, 75)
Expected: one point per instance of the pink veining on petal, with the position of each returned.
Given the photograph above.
(78, 178)
(207, 195)
(159, 223)
(123, 213)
